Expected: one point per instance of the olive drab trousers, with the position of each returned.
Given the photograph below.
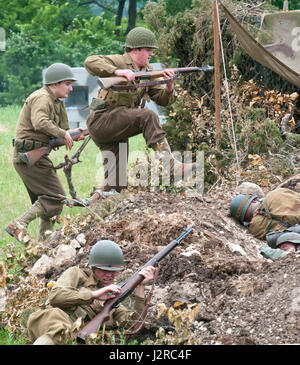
(110, 129)
(42, 183)
(53, 322)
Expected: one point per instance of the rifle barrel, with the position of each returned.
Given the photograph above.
(127, 289)
(107, 82)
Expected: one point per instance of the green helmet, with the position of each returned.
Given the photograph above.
(239, 206)
(290, 237)
(140, 37)
(106, 255)
(272, 237)
(58, 72)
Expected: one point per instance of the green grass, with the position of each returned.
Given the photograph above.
(7, 338)
(13, 194)
(14, 197)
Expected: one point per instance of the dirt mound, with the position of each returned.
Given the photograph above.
(214, 288)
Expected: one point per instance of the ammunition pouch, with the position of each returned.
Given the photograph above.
(122, 99)
(25, 145)
(22, 146)
(131, 99)
(20, 157)
(98, 104)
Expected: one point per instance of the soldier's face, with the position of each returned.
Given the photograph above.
(62, 89)
(142, 56)
(290, 247)
(106, 277)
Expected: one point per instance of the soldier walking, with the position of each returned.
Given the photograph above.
(42, 117)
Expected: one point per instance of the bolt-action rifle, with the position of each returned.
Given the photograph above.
(127, 289)
(121, 83)
(67, 168)
(75, 158)
(31, 157)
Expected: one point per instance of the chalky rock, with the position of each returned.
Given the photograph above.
(62, 253)
(42, 265)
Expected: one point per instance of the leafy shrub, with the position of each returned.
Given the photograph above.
(50, 38)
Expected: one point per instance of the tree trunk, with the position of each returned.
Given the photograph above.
(131, 15)
(119, 15)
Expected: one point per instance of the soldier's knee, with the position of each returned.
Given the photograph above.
(55, 212)
(149, 116)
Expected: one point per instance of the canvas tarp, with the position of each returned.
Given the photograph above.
(281, 52)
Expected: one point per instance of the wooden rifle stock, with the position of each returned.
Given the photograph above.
(127, 289)
(35, 155)
(107, 82)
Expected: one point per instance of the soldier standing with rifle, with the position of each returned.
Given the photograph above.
(42, 117)
(116, 116)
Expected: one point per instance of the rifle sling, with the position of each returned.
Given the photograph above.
(138, 324)
(132, 330)
(264, 211)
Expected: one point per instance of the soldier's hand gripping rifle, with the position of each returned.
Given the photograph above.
(31, 157)
(121, 83)
(127, 289)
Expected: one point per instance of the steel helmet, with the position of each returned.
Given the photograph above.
(58, 72)
(239, 206)
(140, 37)
(272, 237)
(290, 237)
(106, 255)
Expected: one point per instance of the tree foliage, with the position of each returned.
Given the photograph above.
(293, 4)
(40, 32)
(188, 37)
(53, 32)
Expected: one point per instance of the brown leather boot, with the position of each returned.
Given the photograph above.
(177, 168)
(14, 231)
(18, 227)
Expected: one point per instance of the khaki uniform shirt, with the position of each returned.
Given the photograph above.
(42, 117)
(104, 66)
(73, 294)
(283, 205)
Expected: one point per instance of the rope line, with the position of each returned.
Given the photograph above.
(228, 98)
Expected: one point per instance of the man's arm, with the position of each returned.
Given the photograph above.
(68, 292)
(161, 96)
(123, 315)
(102, 66)
(40, 118)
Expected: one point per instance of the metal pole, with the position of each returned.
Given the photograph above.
(217, 73)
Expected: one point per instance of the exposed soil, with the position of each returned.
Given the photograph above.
(242, 298)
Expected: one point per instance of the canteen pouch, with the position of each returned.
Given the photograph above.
(98, 104)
